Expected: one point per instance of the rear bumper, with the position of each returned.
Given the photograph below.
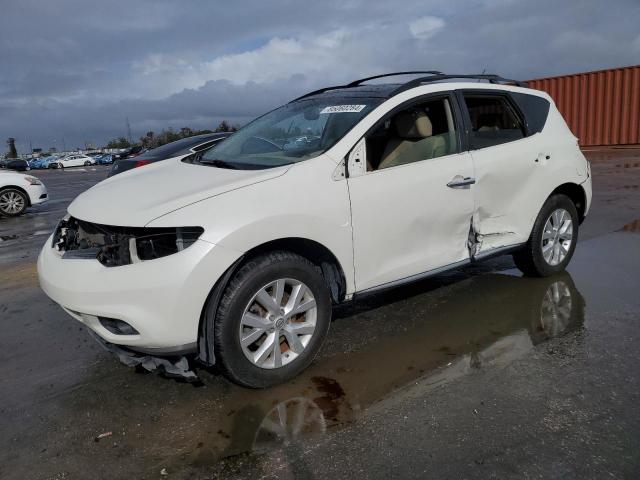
(162, 299)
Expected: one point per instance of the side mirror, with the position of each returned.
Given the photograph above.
(357, 159)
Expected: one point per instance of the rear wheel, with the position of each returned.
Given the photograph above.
(271, 321)
(13, 202)
(552, 240)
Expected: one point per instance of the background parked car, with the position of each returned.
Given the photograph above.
(15, 164)
(182, 147)
(18, 192)
(106, 159)
(75, 160)
(130, 152)
(43, 162)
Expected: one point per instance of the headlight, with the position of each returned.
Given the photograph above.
(115, 246)
(32, 180)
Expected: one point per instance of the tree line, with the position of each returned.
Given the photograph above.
(153, 140)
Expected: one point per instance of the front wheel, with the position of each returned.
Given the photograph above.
(552, 240)
(13, 202)
(271, 321)
(87, 163)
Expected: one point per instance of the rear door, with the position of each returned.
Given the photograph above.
(506, 164)
(412, 207)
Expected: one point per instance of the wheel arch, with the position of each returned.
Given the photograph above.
(318, 254)
(577, 195)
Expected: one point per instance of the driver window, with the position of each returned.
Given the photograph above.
(420, 132)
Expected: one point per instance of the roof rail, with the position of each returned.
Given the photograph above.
(491, 78)
(434, 76)
(357, 83)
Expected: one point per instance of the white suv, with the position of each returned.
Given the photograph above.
(238, 254)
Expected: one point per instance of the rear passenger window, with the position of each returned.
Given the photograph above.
(493, 121)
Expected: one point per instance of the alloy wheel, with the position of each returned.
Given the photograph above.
(557, 237)
(11, 202)
(278, 323)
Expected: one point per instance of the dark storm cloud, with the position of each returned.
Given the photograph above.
(77, 69)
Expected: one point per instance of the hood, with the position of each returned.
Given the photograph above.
(138, 196)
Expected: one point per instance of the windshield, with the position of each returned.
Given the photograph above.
(292, 133)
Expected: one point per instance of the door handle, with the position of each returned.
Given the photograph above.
(459, 182)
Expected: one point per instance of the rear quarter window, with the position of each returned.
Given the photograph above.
(535, 110)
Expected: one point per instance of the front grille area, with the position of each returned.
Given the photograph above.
(115, 246)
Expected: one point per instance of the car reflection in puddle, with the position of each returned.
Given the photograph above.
(483, 321)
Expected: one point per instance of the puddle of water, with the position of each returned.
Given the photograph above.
(489, 321)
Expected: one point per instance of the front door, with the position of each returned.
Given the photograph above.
(411, 210)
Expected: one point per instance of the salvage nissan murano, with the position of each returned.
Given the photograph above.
(237, 255)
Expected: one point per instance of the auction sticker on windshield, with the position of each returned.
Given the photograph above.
(342, 109)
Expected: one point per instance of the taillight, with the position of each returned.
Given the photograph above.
(141, 163)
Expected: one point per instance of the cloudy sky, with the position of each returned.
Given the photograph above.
(76, 69)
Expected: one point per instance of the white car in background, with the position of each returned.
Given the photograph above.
(239, 254)
(74, 160)
(18, 192)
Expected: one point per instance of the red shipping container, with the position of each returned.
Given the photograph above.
(601, 108)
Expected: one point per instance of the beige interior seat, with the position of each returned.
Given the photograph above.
(489, 122)
(414, 141)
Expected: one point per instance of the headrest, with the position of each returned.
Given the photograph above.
(413, 124)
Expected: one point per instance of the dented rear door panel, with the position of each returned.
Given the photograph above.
(507, 178)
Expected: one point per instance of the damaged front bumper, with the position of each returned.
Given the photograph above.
(176, 366)
(151, 306)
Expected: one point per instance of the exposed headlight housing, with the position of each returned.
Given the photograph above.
(115, 246)
(32, 180)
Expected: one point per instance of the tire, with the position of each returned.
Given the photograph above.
(13, 202)
(87, 163)
(240, 296)
(530, 260)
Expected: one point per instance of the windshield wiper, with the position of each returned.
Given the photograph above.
(219, 163)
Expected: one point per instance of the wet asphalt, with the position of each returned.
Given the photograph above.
(479, 373)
